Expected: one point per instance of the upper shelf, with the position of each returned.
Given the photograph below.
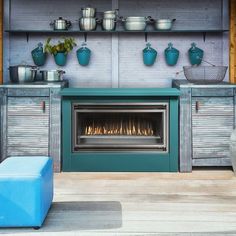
(77, 31)
(116, 31)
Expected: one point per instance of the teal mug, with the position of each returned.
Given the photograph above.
(60, 58)
(195, 55)
(39, 57)
(171, 55)
(83, 55)
(149, 55)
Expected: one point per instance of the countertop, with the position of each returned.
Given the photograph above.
(37, 84)
(186, 84)
(163, 92)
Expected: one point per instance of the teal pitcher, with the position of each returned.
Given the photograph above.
(195, 54)
(171, 55)
(83, 55)
(149, 55)
(38, 55)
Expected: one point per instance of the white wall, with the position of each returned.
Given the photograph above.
(202, 14)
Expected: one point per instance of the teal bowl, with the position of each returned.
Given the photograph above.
(60, 58)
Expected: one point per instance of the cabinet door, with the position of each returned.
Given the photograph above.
(27, 126)
(212, 124)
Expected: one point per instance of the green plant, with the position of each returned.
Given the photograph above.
(62, 46)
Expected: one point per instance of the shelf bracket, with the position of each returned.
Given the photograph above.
(204, 36)
(146, 36)
(85, 37)
(27, 36)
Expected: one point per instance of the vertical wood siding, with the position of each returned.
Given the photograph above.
(1, 41)
(233, 41)
(117, 59)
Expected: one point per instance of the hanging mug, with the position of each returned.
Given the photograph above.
(83, 55)
(171, 55)
(149, 55)
(195, 54)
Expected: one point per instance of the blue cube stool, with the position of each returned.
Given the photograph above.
(26, 191)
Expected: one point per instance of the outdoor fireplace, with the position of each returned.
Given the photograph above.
(120, 129)
(120, 126)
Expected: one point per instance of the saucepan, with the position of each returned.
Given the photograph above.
(52, 75)
(164, 24)
(136, 22)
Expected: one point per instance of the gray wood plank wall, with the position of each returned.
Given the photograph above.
(117, 60)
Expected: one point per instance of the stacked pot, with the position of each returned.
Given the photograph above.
(88, 21)
(109, 20)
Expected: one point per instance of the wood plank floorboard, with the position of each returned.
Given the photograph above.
(88, 204)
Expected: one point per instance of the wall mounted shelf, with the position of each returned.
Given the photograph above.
(77, 31)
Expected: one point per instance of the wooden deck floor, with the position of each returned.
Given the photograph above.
(202, 202)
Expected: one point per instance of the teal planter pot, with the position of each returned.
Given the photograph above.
(83, 55)
(195, 55)
(60, 58)
(149, 55)
(171, 55)
(39, 57)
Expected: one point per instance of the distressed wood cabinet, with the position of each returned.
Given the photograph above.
(31, 121)
(207, 118)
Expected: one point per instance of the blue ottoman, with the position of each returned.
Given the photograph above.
(26, 191)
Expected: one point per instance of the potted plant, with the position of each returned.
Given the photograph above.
(60, 50)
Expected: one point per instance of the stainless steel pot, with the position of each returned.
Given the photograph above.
(110, 14)
(52, 75)
(136, 22)
(61, 24)
(164, 24)
(22, 73)
(88, 24)
(108, 24)
(88, 12)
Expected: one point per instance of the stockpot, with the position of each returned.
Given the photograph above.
(88, 23)
(22, 73)
(88, 12)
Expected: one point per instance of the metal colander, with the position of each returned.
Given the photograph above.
(205, 74)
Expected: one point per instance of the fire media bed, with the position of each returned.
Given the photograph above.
(120, 129)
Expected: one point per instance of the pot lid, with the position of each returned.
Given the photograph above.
(136, 18)
(109, 12)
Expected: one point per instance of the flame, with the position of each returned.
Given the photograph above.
(127, 127)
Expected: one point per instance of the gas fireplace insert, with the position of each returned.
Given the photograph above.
(120, 129)
(139, 126)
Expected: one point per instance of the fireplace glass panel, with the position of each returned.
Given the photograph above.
(120, 127)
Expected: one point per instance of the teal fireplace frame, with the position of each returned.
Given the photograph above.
(119, 161)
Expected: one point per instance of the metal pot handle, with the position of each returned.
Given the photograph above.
(68, 24)
(149, 18)
(121, 18)
(61, 71)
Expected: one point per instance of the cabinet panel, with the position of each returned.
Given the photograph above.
(212, 124)
(28, 126)
(18, 106)
(215, 106)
